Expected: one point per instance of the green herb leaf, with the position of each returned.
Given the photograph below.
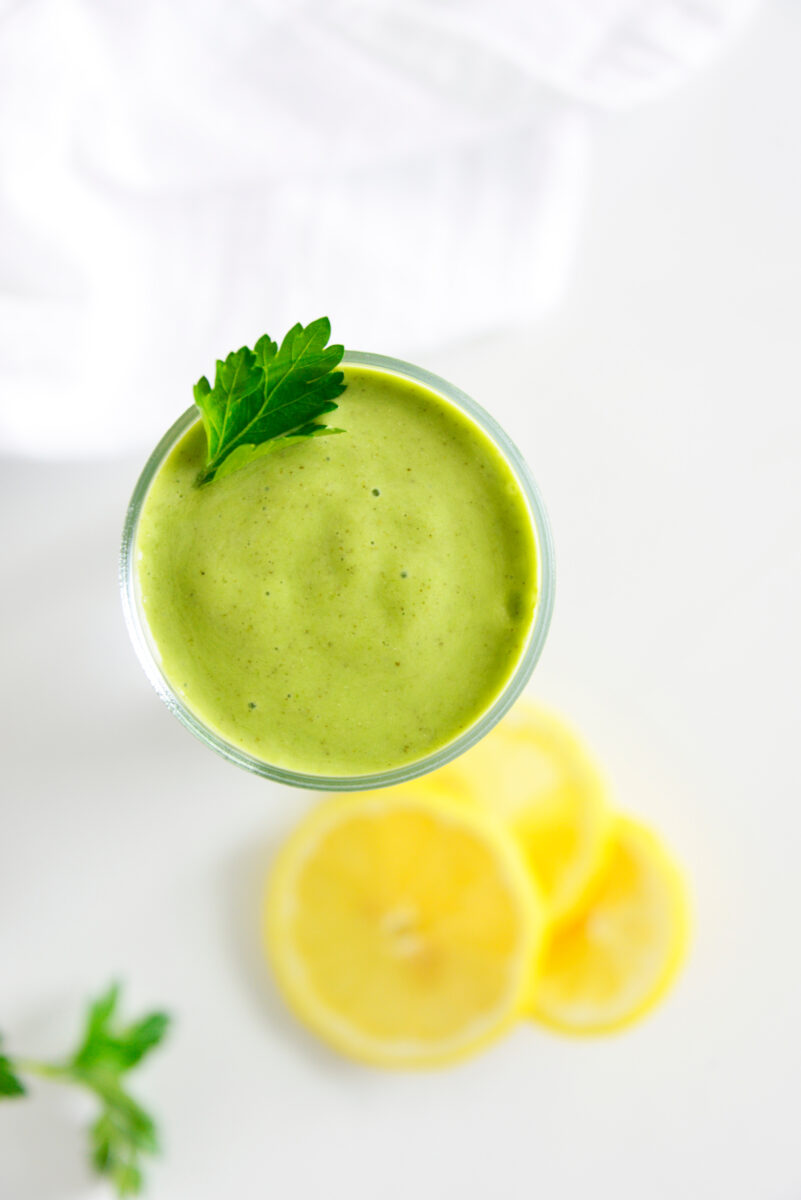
(116, 1050)
(119, 1136)
(270, 396)
(10, 1083)
(123, 1132)
(235, 397)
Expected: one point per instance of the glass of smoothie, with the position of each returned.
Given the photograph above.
(351, 611)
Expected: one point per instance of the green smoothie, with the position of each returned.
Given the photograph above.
(347, 604)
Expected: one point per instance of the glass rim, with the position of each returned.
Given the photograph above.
(512, 689)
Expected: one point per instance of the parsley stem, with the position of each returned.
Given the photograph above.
(31, 1066)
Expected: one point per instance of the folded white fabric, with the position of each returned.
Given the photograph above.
(180, 176)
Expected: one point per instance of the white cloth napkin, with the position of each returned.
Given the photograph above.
(179, 176)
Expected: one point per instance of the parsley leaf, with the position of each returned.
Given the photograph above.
(268, 397)
(118, 1049)
(120, 1135)
(10, 1084)
(123, 1132)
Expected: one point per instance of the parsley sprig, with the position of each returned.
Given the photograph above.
(123, 1132)
(268, 397)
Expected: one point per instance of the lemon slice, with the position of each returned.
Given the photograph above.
(403, 927)
(620, 955)
(535, 775)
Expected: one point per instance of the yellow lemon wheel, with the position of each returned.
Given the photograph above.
(534, 773)
(403, 927)
(619, 956)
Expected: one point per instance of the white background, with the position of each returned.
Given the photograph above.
(659, 409)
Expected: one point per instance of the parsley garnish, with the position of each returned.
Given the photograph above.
(123, 1132)
(268, 397)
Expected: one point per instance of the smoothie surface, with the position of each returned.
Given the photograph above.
(347, 604)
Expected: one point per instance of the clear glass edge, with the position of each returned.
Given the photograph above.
(134, 619)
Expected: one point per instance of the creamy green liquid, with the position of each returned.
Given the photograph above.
(350, 603)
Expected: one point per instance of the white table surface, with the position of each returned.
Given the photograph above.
(659, 408)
